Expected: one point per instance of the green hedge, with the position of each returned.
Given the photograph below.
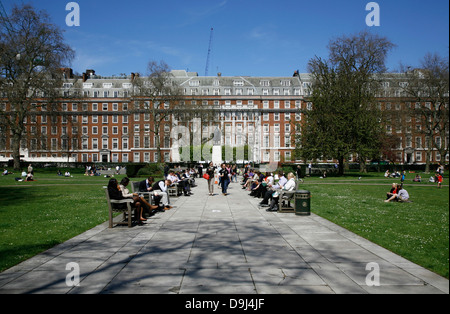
(145, 170)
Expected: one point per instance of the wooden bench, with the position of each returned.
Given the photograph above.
(175, 190)
(284, 202)
(147, 195)
(113, 208)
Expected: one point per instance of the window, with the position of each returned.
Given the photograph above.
(277, 156)
(115, 143)
(419, 156)
(277, 141)
(266, 141)
(84, 144)
(287, 141)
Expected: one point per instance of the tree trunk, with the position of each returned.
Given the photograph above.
(16, 151)
(341, 166)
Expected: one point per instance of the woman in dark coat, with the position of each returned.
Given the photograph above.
(116, 194)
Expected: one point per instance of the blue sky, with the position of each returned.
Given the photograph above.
(251, 37)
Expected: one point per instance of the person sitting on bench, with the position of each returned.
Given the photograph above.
(289, 186)
(161, 189)
(272, 188)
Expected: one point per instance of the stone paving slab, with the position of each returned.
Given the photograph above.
(220, 245)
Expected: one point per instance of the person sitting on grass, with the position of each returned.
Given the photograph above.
(401, 196)
(392, 192)
(6, 172)
(30, 177)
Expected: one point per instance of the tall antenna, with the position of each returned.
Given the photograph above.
(209, 52)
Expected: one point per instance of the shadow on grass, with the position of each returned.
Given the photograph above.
(13, 255)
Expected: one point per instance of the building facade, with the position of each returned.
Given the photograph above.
(97, 121)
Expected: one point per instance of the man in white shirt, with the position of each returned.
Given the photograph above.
(289, 186)
(272, 188)
(160, 189)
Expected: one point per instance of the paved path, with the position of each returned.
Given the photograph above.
(224, 245)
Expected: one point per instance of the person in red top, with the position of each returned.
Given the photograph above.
(393, 191)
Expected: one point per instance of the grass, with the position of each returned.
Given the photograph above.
(418, 231)
(35, 216)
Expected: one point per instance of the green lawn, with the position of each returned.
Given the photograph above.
(35, 216)
(418, 231)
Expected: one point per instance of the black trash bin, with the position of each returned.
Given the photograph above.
(302, 203)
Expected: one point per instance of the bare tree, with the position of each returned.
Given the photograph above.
(428, 86)
(160, 95)
(156, 94)
(32, 53)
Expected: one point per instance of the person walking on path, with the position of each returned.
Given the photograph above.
(225, 178)
(210, 171)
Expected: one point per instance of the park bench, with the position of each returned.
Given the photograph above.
(147, 195)
(284, 201)
(114, 208)
(174, 190)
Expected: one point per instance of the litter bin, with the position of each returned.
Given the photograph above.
(302, 203)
